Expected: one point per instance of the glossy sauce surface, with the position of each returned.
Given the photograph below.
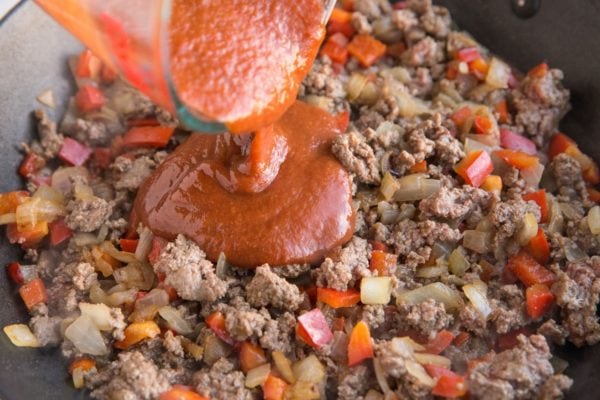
(298, 216)
(241, 62)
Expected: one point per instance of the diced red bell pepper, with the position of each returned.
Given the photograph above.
(399, 5)
(559, 143)
(150, 121)
(88, 65)
(31, 164)
(216, 322)
(338, 299)
(539, 248)
(360, 345)
(366, 49)
(59, 232)
(452, 70)
(517, 159)
(89, 98)
(82, 364)
(347, 5)
(102, 157)
(508, 340)
(180, 392)
(539, 300)
(461, 339)
(28, 238)
(148, 136)
(501, 108)
(316, 327)
(343, 120)
(128, 245)
(461, 116)
(441, 341)
(136, 332)
(514, 141)
(251, 356)
(467, 54)
(377, 245)
(594, 195)
(382, 262)
(335, 48)
(540, 198)
(108, 75)
(13, 270)
(529, 271)
(73, 152)
(479, 68)
(482, 125)
(539, 71)
(158, 244)
(33, 293)
(475, 167)
(340, 22)
(10, 200)
(591, 174)
(449, 384)
(420, 167)
(274, 388)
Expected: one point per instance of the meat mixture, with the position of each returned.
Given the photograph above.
(475, 251)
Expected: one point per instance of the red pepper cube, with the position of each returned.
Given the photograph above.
(539, 300)
(316, 327)
(89, 98)
(73, 152)
(475, 167)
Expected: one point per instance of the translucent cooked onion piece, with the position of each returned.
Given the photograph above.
(21, 336)
(122, 256)
(381, 378)
(477, 295)
(593, 220)
(283, 366)
(458, 263)
(498, 74)
(479, 242)
(35, 210)
(437, 291)
(433, 359)
(375, 290)
(419, 373)
(389, 186)
(86, 337)
(257, 376)
(99, 314)
(432, 271)
(144, 245)
(555, 218)
(214, 349)
(416, 187)
(533, 175)
(175, 321)
(48, 193)
(355, 85)
(527, 230)
(309, 369)
(63, 178)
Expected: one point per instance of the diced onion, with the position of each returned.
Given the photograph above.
(175, 320)
(47, 98)
(367, 199)
(405, 345)
(434, 359)
(193, 349)
(527, 230)
(35, 210)
(415, 187)
(437, 291)
(302, 390)
(355, 85)
(309, 369)
(593, 220)
(144, 245)
(369, 94)
(410, 106)
(135, 275)
(400, 74)
(83, 239)
(83, 192)
(214, 349)
(97, 295)
(9, 218)
(257, 376)
(86, 337)
(48, 193)
(283, 366)
(569, 211)
(122, 256)
(419, 373)
(321, 102)
(63, 178)
(373, 395)
(498, 74)
(555, 217)
(381, 378)
(458, 262)
(375, 290)
(388, 214)
(389, 186)
(475, 145)
(21, 336)
(221, 266)
(532, 175)
(431, 272)
(573, 252)
(479, 242)
(99, 314)
(476, 293)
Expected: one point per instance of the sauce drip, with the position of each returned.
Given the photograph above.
(303, 211)
(241, 62)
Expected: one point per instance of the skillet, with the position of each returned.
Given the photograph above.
(33, 51)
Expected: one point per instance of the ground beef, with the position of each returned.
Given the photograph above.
(540, 102)
(361, 24)
(448, 151)
(355, 383)
(426, 52)
(373, 315)
(436, 22)
(278, 334)
(321, 81)
(455, 203)
(172, 344)
(242, 324)
(84, 276)
(393, 359)
(345, 268)
(133, 173)
(96, 133)
(507, 217)
(188, 271)
(46, 330)
(357, 156)
(222, 382)
(519, 373)
(266, 288)
(369, 8)
(472, 320)
(427, 318)
(88, 215)
(553, 332)
(131, 377)
(567, 174)
(577, 292)
(292, 270)
(508, 308)
(409, 236)
(50, 140)
(405, 19)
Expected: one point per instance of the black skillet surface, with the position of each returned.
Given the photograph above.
(33, 53)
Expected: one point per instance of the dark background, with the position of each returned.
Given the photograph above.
(33, 53)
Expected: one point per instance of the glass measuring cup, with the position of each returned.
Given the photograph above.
(130, 37)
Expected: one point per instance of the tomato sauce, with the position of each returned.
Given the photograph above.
(241, 62)
(287, 200)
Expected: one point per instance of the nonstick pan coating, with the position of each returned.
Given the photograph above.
(33, 51)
